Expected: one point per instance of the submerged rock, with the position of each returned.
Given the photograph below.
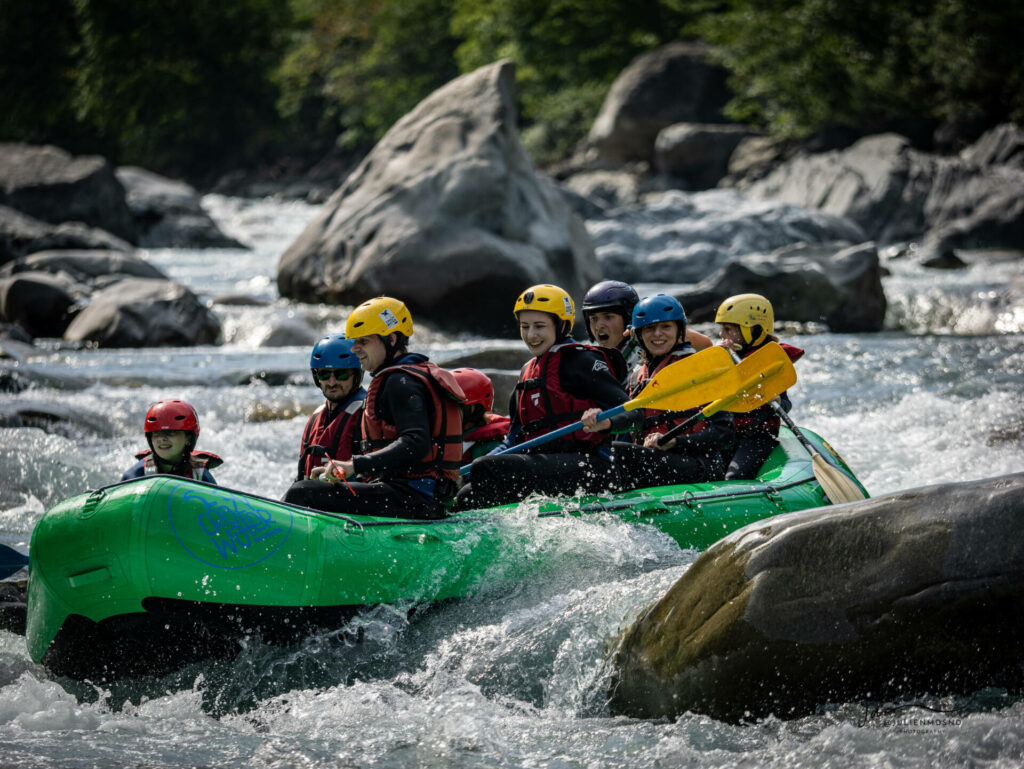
(916, 591)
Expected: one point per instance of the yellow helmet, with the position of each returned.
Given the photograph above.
(747, 311)
(546, 298)
(382, 316)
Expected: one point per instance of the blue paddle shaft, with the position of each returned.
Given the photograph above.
(553, 435)
(11, 561)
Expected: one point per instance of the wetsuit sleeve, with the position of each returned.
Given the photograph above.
(719, 434)
(135, 471)
(586, 375)
(514, 426)
(208, 477)
(403, 402)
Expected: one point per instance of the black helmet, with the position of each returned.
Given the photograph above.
(609, 295)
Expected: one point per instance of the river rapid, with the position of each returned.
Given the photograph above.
(517, 676)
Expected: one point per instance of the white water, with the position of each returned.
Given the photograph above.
(515, 678)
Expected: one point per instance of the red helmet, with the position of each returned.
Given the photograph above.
(172, 415)
(476, 385)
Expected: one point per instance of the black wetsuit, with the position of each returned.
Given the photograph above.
(495, 480)
(404, 402)
(696, 457)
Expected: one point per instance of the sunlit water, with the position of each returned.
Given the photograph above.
(517, 676)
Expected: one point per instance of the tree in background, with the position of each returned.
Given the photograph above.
(799, 66)
(357, 66)
(180, 86)
(38, 49)
(567, 53)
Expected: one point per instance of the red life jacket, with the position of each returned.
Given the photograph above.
(494, 428)
(544, 405)
(657, 420)
(443, 458)
(337, 436)
(197, 461)
(763, 419)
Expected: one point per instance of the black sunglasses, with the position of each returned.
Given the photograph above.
(341, 374)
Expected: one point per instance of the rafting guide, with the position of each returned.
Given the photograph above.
(411, 430)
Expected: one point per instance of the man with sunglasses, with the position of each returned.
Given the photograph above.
(332, 431)
(411, 445)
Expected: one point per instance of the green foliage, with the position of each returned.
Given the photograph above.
(799, 66)
(37, 69)
(199, 85)
(362, 64)
(179, 85)
(566, 52)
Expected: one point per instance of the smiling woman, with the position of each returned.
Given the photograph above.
(172, 429)
(561, 381)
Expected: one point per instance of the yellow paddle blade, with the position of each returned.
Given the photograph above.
(762, 377)
(690, 382)
(836, 484)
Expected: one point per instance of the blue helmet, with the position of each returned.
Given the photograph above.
(658, 309)
(333, 351)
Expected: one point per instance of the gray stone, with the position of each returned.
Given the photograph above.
(835, 284)
(920, 591)
(676, 83)
(897, 193)
(447, 214)
(1003, 145)
(606, 190)
(679, 237)
(169, 213)
(287, 332)
(21, 234)
(696, 155)
(144, 312)
(84, 266)
(38, 302)
(47, 183)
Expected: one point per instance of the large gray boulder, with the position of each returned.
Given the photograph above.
(144, 312)
(47, 183)
(679, 237)
(835, 284)
(91, 267)
(897, 193)
(169, 213)
(447, 214)
(21, 234)
(676, 83)
(695, 156)
(913, 592)
(38, 302)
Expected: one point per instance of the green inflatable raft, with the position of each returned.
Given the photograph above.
(145, 575)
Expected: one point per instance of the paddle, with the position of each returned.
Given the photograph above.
(762, 377)
(836, 484)
(695, 379)
(11, 561)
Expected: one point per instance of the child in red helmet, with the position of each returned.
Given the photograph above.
(482, 431)
(172, 429)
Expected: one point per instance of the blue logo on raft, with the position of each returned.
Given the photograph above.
(223, 530)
